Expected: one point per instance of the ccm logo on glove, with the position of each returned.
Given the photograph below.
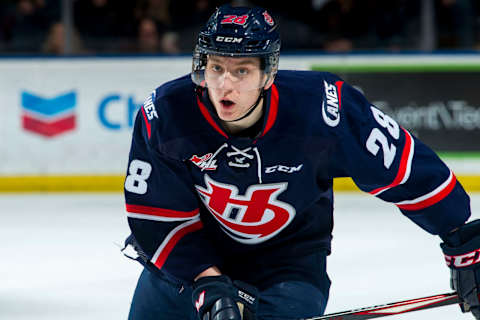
(463, 260)
(246, 297)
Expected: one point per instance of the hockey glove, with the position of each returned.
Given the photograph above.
(218, 298)
(462, 254)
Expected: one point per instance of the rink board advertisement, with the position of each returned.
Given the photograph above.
(74, 116)
(66, 123)
(442, 108)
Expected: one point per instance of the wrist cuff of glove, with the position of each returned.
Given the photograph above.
(465, 256)
(209, 279)
(207, 290)
(218, 294)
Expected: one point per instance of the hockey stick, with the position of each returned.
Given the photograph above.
(393, 308)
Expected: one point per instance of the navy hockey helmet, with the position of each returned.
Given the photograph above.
(238, 32)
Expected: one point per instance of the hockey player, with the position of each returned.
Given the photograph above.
(229, 182)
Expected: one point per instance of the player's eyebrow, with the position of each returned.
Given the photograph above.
(241, 62)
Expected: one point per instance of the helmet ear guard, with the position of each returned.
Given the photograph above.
(238, 32)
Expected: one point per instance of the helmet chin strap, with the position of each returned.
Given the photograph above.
(251, 109)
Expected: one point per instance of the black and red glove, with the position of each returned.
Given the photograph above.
(462, 254)
(218, 298)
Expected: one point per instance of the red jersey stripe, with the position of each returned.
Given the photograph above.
(405, 165)
(154, 213)
(147, 124)
(208, 117)
(430, 198)
(272, 116)
(339, 85)
(172, 239)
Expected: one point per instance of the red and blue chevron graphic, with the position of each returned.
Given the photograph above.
(48, 116)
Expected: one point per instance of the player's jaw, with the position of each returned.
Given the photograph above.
(231, 105)
(227, 108)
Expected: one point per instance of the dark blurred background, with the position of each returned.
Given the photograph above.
(92, 27)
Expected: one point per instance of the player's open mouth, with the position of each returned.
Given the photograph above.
(227, 103)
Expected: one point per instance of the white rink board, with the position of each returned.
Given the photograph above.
(100, 142)
(93, 147)
(63, 263)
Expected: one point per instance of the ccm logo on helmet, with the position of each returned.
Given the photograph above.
(228, 39)
(463, 260)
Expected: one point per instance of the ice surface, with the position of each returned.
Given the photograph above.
(60, 258)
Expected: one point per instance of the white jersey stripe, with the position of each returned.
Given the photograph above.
(410, 158)
(158, 218)
(170, 236)
(431, 194)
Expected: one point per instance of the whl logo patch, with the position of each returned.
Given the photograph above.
(48, 116)
(200, 301)
(204, 162)
(251, 218)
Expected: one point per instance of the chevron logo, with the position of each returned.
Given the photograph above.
(48, 117)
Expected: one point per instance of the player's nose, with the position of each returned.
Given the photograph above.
(227, 83)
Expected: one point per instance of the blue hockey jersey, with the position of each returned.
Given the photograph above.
(197, 196)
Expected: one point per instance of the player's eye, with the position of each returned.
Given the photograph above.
(216, 68)
(242, 71)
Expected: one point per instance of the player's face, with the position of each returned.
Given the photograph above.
(233, 84)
